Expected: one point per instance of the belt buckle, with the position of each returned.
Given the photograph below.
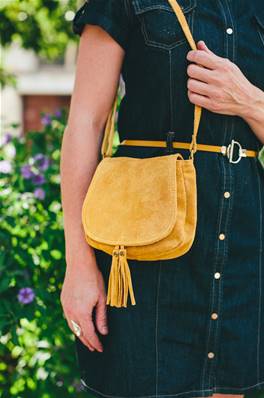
(229, 152)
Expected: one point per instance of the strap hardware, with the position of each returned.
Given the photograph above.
(228, 151)
(169, 141)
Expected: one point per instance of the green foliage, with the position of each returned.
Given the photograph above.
(41, 25)
(261, 156)
(6, 78)
(37, 357)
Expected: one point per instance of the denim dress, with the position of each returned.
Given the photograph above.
(198, 325)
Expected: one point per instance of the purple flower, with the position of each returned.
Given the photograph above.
(38, 179)
(7, 138)
(58, 113)
(5, 167)
(25, 295)
(78, 386)
(41, 161)
(26, 171)
(39, 193)
(46, 120)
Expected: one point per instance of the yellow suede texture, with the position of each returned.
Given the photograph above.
(146, 206)
(151, 210)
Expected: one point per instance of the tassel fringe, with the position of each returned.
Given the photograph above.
(120, 283)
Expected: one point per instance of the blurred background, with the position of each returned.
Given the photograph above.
(38, 57)
(38, 54)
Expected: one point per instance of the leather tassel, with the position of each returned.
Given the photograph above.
(113, 282)
(120, 283)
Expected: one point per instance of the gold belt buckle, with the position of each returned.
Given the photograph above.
(228, 151)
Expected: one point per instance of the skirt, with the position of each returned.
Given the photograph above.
(198, 325)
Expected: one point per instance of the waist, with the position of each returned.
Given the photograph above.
(233, 151)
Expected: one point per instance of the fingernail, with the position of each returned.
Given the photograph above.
(105, 330)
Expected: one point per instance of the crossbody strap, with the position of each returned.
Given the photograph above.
(107, 144)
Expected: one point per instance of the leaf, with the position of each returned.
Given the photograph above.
(56, 254)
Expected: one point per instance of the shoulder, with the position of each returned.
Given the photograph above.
(114, 16)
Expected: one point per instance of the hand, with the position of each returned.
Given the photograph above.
(83, 289)
(217, 84)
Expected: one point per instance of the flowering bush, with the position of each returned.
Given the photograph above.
(37, 357)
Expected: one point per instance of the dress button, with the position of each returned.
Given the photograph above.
(210, 355)
(222, 236)
(227, 194)
(229, 31)
(217, 275)
(214, 315)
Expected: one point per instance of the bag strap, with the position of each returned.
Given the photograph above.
(107, 144)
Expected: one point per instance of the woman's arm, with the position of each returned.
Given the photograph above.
(218, 85)
(254, 113)
(94, 91)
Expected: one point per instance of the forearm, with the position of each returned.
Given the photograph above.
(253, 113)
(79, 158)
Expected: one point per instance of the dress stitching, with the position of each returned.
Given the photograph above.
(156, 329)
(207, 343)
(227, 185)
(223, 12)
(216, 261)
(163, 46)
(212, 390)
(260, 277)
(171, 97)
(261, 37)
(220, 285)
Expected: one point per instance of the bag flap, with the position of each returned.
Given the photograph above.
(131, 201)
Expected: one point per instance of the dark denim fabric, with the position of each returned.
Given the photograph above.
(170, 344)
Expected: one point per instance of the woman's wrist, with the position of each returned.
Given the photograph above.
(81, 260)
(253, 110)
(77, 250)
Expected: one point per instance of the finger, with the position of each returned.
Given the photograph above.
(100, 315)
(202, 46)
(85, 342)
(198, 99)
(201, 57)
(199, 73)
(81, 337)
(199, 87)
(90, 334)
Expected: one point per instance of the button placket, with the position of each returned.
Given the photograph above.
(224, 211)
(225, 207)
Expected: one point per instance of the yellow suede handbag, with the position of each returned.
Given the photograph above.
(141, 208)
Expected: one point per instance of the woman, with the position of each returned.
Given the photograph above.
(198, 326)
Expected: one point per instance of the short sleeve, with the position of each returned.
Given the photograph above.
(111, 15)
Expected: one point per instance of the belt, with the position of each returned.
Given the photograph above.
(228, 151)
